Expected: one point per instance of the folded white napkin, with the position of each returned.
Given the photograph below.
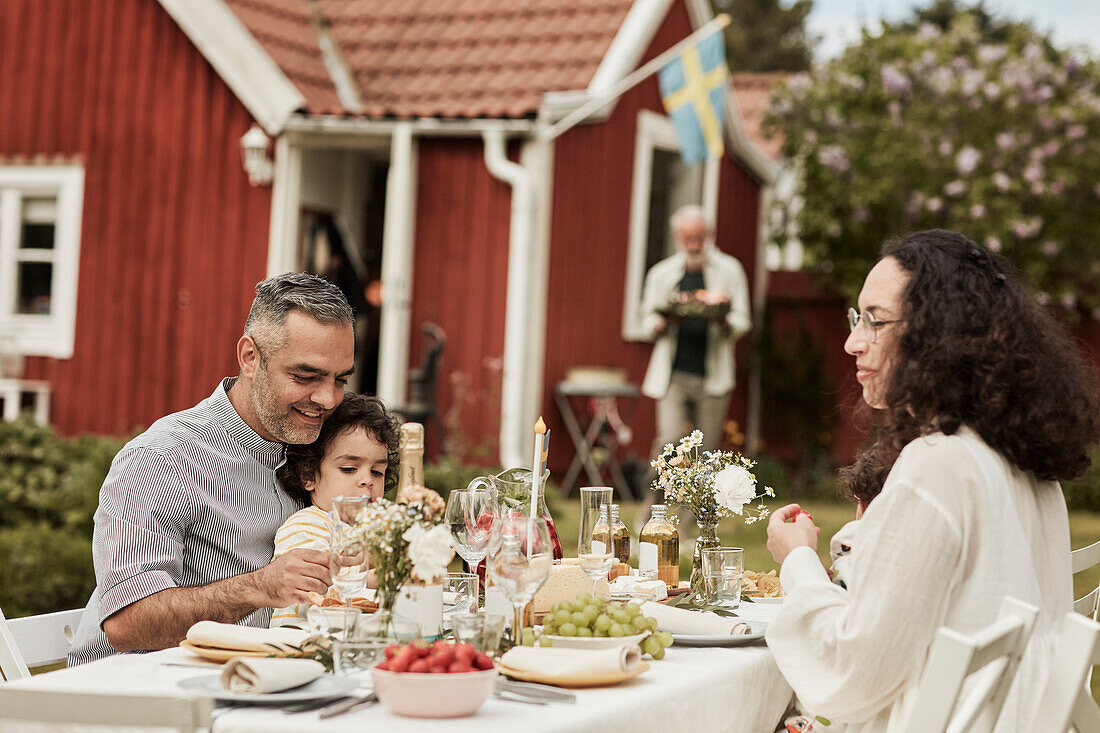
(567, 662)
(682, 621)
(640, 588)
(243, 638)
(259, 675)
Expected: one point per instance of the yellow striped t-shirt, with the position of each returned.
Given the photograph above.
(308, 529)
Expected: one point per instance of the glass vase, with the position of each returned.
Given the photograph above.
(385, 623)
(708, 537)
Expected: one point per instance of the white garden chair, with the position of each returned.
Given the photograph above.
(1067, 701)
(988, 658)
(35, 641)
(1083, 559)
(184, 714)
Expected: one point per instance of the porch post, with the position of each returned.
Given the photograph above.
(286, 199)
(397, 267)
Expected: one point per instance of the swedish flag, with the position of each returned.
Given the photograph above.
(693, 89)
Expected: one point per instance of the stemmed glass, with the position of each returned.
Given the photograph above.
(596, 557)
(469, 515)
(347, 552)
(521, 558)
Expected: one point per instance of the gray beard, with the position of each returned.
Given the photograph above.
(277, 421)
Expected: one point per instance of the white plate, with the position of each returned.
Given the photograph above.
(323, 687)
(758, 628)
(595, 642)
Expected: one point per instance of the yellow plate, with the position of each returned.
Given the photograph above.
(219, 655)
(574, 680)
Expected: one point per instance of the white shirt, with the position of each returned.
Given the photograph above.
(955, 529)
(723, 273)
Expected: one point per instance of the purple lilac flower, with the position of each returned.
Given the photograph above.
(977, 211)
(1001, 181)
(1029, 228)
(1033, 172)
(945, 148)
(955, 188)
(1005, 140)
(1075, 132)
(987, 54)
(834, 157)
(992, 90)
(935, 204)
(993, 244)
(895, 81)
(967, 160)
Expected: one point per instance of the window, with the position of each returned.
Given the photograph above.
(661, 185)
(40, 208)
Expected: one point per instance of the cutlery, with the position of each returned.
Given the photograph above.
(510, 696)
(305, 707)
(530, 689)
(346, 706)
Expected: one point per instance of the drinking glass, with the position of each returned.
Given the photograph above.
(345, 509)
(596, 558)
(470, 518)
(521, 561)
(482, 630)
(460, 593)
(722, 569)
(347, 560)
(351, 657)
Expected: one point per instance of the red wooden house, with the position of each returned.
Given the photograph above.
(402, 136)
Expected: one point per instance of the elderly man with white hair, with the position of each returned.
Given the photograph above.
(691, 370)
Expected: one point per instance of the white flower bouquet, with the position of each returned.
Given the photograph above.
(710, 484)
(403, 541)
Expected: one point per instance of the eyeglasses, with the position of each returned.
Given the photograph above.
(872, 325)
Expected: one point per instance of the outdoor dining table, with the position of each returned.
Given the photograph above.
(736, 689)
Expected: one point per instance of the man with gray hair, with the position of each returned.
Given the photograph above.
(691, 369)
(187, 515)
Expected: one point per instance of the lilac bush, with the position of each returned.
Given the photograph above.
(908, 131)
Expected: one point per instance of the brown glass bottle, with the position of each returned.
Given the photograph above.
(621, 545)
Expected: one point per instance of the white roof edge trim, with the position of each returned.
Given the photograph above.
(239, 59)
(629, 44)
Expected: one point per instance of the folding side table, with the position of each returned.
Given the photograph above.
(594, 435)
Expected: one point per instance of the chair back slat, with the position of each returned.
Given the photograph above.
(45, 639)
(1086, 605)
(185, 714)
(989, 658)
(1085, 557)
(12, 666)
(1074, 655)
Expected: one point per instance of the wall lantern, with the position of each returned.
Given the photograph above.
(257, 163)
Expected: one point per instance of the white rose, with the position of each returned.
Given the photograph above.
(734, 487)
(429, 550)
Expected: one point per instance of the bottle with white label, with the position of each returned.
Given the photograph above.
(659, 548)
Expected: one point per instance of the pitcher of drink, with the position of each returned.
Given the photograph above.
(511, 490)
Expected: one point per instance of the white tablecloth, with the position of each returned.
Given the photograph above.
(738, 690)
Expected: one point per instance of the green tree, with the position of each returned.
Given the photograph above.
(933, 127)
(764, 35)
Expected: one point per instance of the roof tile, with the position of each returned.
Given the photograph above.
(438, 58)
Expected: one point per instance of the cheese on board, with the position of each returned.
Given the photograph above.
(565, 583)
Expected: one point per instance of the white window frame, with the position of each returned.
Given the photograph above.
(50, 334)
(653, 131)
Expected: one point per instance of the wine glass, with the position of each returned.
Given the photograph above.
(347, 552)
(521, 561)
(595, 556)
(469, 516)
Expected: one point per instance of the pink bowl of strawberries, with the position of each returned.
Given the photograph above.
(439, 680)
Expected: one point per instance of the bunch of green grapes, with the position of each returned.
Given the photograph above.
(589, 616)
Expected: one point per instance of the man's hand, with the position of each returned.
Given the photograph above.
(289, 578)
(784, 536)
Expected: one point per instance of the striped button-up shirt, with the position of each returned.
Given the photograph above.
(191, 501)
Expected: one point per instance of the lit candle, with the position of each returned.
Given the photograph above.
(536, 476)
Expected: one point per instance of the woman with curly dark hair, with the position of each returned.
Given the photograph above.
(984, 405)
(355, 454)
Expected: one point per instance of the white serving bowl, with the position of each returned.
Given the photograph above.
(433, 695)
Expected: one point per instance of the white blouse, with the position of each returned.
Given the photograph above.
(955, 530)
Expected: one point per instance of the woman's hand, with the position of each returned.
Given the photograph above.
(784, 536)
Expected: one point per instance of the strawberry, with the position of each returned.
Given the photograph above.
(482, 661)
(383, 665)
(465, 653)
(444, 655)
(438, 669)
(459, 667)
(392, 650)
(419, 666)
(401, 662)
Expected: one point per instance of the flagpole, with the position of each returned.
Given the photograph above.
(580, 113)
